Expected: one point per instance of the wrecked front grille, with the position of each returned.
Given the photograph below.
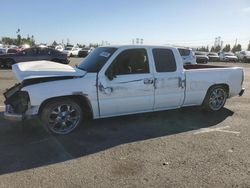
(17, 99)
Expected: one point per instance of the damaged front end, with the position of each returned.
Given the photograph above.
(17, 103)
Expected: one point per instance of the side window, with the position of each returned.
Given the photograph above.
(133, 61)
(29, 51)
(164, 60)
(184, 52)
(44, 51)
(53, 52)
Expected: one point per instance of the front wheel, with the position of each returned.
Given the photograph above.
(61, 116)
(215, 98)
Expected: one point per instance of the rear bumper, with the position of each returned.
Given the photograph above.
(241, 92)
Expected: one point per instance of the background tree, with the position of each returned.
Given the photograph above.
(236, 48)
(203, 49)
(81, 45)
(19, 38)
(32, 40)
(93, 45)
(217, 49)
(212, 49)
(227, 48)
(54, 43)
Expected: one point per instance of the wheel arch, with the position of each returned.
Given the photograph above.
(79, 99)
(224, 85)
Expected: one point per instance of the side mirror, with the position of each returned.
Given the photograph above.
(110, 73)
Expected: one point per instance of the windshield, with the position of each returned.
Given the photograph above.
(95, 60)
(184, 52)
(68, 48)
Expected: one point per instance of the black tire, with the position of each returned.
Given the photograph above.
(245, 60)
(8, 63)
(61, 116)
(215, 98)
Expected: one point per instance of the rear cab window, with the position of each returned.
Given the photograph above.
(184, 52)
(164, 60)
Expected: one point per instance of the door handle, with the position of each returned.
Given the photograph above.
(181, 83)
(105, 90)
(148, 81)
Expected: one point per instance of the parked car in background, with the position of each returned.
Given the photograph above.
(228, 56)
(187, 55)
(243, 56)
(12, 51)
(59, 48)
(3, 50)
(83, 52)
(201, 57)
(71, 50)
(212, 56)
(33, 54)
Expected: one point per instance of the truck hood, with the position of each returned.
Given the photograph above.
(44, 69)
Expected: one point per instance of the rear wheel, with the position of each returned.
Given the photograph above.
(215, 98)
(61, 116)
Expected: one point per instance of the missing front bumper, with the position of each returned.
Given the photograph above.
(10, 115)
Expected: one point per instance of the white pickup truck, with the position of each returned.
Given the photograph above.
(114, 81)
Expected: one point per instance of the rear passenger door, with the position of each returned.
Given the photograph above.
(26, 55)
(169, 88)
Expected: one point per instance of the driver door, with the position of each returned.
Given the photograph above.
(130, 86)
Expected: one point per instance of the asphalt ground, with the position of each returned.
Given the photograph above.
(176, 148)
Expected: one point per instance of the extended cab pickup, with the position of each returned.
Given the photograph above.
(117, 80)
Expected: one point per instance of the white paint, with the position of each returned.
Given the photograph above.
(129, 94)
(38, 69)
(218, 129)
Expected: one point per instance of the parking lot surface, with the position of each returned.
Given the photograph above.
(176, 148)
